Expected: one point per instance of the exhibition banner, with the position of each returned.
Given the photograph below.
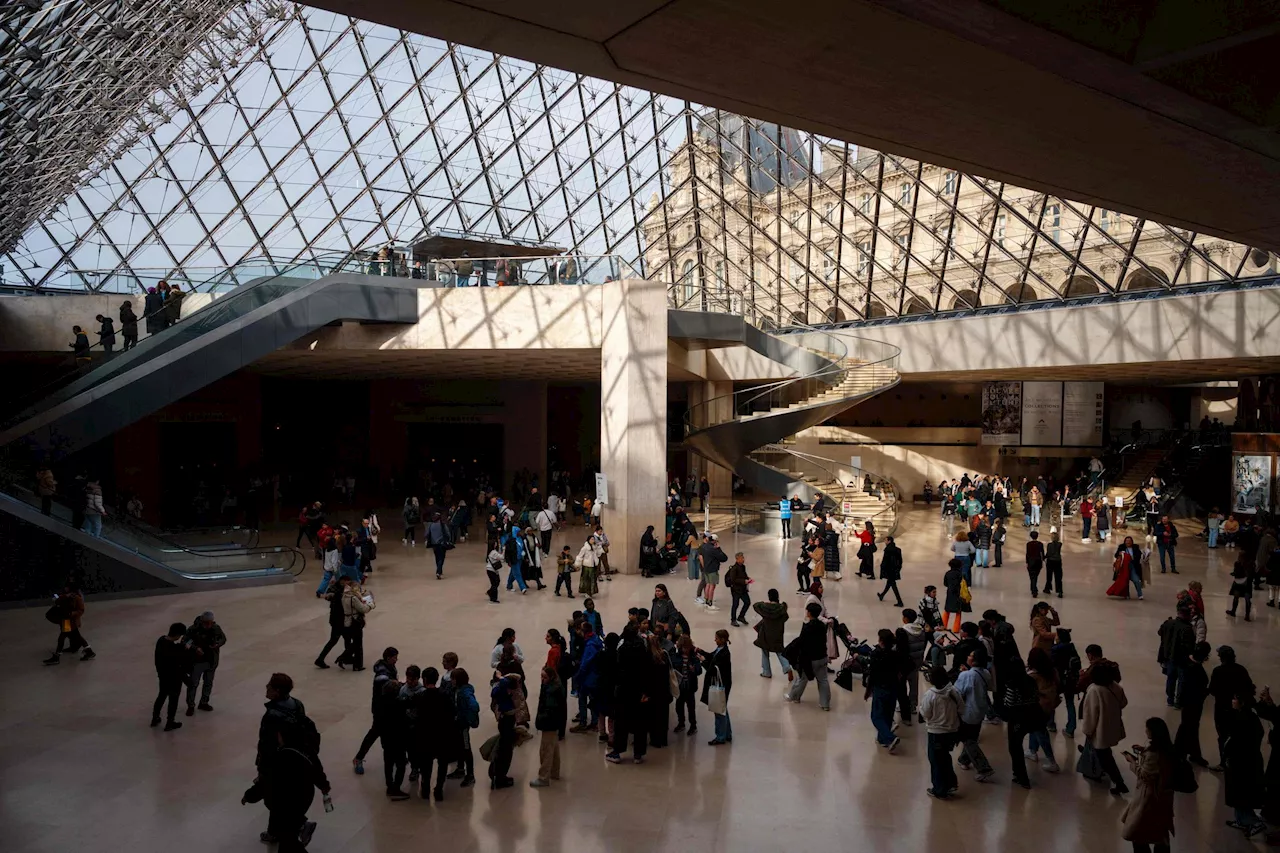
(1082, 413)
(1251, 483)
(1001, 413)
(1041, 414)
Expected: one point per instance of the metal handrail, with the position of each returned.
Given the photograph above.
(586, 269)
(825, 464)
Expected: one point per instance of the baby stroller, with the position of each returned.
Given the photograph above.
(855, 650)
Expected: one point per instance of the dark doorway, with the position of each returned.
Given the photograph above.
(197, 461)
(454, 453)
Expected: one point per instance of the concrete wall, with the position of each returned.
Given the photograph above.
(43, 323)
(1237, 324)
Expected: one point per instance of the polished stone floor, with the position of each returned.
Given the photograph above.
(82, 771)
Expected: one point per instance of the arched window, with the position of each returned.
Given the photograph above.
(916, 305)
(1020, 293)
(689, 279)
(834, 314)
(965, 299)
(798, 319)
(1081, 285)
(1142, 279)
(876, 308)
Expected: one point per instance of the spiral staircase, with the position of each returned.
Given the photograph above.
(748, 431)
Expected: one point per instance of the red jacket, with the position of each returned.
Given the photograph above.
(1086, 508)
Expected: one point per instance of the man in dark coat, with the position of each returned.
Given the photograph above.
(433, 730)
(891, 571)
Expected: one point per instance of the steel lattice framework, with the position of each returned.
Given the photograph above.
(281, 131)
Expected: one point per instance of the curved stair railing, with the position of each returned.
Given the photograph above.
(881, 512)
(833, 372)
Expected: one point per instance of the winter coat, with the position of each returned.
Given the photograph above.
(173, 661)
(819, 567)
(353, 606)
(662, 610)
(1047, 690)
(207, 640)
(771, 627)
(1102, 721)
(1242, 758)
(552, 707)
(891, 563)
(128, 321)
(736, 578)
(412, 514)
(951, 581)
(588, 674)
(1148, 818)
(173, 306)
(719, 660)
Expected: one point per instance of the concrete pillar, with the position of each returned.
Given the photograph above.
(633, 413)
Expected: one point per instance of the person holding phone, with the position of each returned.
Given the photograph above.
(1148, 818)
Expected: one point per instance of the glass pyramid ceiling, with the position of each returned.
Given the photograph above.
(292, 131)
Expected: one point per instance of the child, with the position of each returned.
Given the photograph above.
(940, 707)
(564, 571)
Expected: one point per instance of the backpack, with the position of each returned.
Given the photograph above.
(510, 553)
(301, 733)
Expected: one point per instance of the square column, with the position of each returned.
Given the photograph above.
(633, 413)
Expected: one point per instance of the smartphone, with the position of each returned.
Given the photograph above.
(1129, 755)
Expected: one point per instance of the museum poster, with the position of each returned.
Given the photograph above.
(1001, 413)
(1250, 483)
(1082, 413)
(1041, 414)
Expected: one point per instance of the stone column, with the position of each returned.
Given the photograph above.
(633, 413)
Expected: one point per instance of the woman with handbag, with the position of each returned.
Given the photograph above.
(867, 552)
(587, 563)
(1103, 725)
(1127, 568)
(716, 687)
(354, 608)
(1148, 819)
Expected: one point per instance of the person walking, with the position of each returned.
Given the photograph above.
(737, 580)
(412, 515)
(974, 685)
(586, 679)
(545, 520)
(719, 667)
(94, 510)
(809, 650)
(1242, 586)
(437, 538)
(204, 641)
(67, 613)
(1035, 562)
(532, 557)
(954, 604)
(1102, 723)
(881, 670)
(940, 707)
(631, 693)
(384, 672)
(564, 571)
(332, 594)
(910, 641)
(769, 632)
(1148, 818)
(1166, 535)
(173, 666)
(891, 571)
(354, 608)
(1040, 667)
(1245, 782)
(106, 334)
(550, 719)
(505, 707)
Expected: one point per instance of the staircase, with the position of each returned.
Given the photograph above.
(1136, 473)
(835, 372)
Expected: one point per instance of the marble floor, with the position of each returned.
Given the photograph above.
(81, 770)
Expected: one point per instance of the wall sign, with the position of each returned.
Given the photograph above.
(1042, 414)
(1082, 404)
(1001, 413)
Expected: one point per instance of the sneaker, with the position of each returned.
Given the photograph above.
(713, 608)
(679, 728)
(894, 730)
(639, 760)
(716, 742)
(733, 623)
(985, 777)
(613, 758)
(468, 781)
(358, 764)
(1024, 783)
(397, 795)
(1030, 756)
(53, 660)
(693, 730)
(404, 541)
(937, 795)
(540, 783)
(308, 830)
(699, 600)
(88, 655)
(1050, 766)
(893, 747)
(171, 725)
(1257, 828)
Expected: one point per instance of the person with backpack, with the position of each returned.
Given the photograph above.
(384, 671)
(173, 667)
(289, 768)
(66, 613)
(437, 538)
(513, 550)
(467, 712)
(1066, 660)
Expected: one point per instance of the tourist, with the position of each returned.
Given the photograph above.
(648, 553)
(80, 346)
(1066, 660)
(354, 608)
(337, 620)
(1040, 667)
(1228, 680)
(804, 568)
(289, 769)
(1019, 708)
(974, 685)
(173, 668)
(1102, 512)
(67, 612)
(1043, 620)
(550, 719)
(737, 580)
(1086, 518)
(954, 604)
(1242, 587)
(432, 733)
(1127, 568)
(998, 535)
(1035, 562)
(392, 726)
(533, 558)
(384, 671)
(1230, 531)
(911, 640)
(891, 571)
(204, 640)
(1166, 535)
(587, 562)
(964, 551)
(1102, 722)
(1245, 782)
(687, 668)
(493, 570)
(437, 537)
(719, 666)
(866, 550)
(349, 557)
(1195, 689)
(503, 703)
(467, 712)
(940, 707)
(106, 334)
(564, 571)
(1177, 640)
(880, 676)
(769, 632)
(927, 608)
(1053, 565)
(631, 693)
(128, 325)
(710, 556)
(513, 554)
(1148, 818)
(658, 690)
(1036, 497)
(173, 305)
(809, 650)
(586, 678)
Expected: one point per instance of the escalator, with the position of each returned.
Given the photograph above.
(230, 333)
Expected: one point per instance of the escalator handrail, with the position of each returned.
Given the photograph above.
(130, 524)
